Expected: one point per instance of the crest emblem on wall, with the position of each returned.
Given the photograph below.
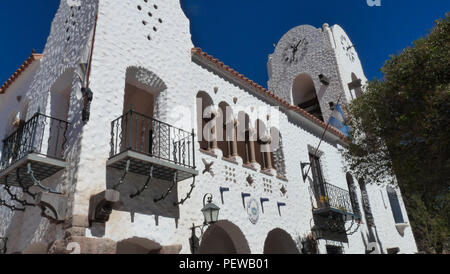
(253, 210)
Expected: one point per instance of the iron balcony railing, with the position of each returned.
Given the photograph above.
(139, 133)
(41, 135)
(330, 196)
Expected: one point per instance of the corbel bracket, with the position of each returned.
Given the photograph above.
(54, 206)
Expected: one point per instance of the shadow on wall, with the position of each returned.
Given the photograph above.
(30, 225)
(143, 203)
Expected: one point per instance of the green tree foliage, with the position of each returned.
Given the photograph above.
(401, 126)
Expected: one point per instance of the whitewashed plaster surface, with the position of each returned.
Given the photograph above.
(122, 42)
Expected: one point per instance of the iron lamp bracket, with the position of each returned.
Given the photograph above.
(304, 174)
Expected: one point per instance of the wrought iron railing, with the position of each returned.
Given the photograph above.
(139, 133)
(41, 134)
(330, 196)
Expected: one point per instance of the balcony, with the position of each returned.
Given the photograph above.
(141, 142)
(35, 149)
(333, 199)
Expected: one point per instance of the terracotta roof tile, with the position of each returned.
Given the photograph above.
(199, 52)
(33, 57)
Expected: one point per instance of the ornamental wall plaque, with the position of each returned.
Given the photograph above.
(253, 210)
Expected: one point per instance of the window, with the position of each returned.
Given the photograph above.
(395, 206)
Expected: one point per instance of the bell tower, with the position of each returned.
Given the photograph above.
(312, 67)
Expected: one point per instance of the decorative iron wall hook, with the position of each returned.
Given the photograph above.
(188, 195)
(14, 197)
(122, 179)
(147, 183)
(26, 189)
(37, 183)
(244, 195)
(4, 241)
(222, 190)
(164, 196)
(11, 207)
(279, 204)
(304, 174)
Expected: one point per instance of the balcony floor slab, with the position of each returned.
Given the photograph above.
(140, 164)
(42, 166)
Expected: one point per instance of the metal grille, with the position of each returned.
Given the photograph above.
(142, 134)
(42, 135)
(335, 197)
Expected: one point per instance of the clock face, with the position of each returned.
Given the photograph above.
(295, 51)
(348, 49)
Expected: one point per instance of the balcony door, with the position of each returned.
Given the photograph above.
(316, 169)
(139, 124)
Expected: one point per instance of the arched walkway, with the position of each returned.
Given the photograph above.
(224, 237)
(279, 241)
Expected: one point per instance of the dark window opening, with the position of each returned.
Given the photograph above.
(316, 169)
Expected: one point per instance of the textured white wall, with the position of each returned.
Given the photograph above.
(122, 42)
(345, 66)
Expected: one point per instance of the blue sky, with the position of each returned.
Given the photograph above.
(241, 33)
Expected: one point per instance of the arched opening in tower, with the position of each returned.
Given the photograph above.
(304, 95)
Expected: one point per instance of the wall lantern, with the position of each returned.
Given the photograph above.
(211, 215)
(210, 211)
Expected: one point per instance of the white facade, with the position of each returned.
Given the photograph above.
(155, 52)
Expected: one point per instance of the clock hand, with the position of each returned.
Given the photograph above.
(299, 42)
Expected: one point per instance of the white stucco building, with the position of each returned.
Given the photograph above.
(103, 150)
